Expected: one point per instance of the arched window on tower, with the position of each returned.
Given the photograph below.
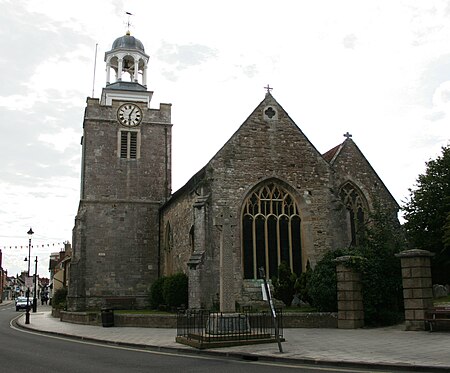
(271, 231)
(168, 246)
(357, 211)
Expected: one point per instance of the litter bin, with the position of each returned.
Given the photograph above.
(107, 317)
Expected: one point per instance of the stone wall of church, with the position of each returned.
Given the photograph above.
(188, 240)
(350, 165)
(118, 243)
(181, 219)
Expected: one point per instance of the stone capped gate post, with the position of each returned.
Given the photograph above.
(417, 286)
(349, 294)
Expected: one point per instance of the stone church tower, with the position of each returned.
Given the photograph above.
(125, 178)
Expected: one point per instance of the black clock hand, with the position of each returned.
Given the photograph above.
(129, 115)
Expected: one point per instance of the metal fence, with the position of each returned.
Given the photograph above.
(204, 326)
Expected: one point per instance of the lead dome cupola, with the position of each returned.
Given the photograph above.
(128, 42)
(128, 61)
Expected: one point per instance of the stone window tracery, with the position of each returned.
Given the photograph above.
(271, 231)
(356, 205)
(270, 113)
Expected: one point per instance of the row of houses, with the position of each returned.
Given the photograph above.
(12, 287)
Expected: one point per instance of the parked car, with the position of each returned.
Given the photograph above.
(21, 303)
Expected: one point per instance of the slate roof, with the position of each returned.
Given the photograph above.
(330, 154)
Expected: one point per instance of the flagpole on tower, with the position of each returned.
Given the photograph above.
(95, 65)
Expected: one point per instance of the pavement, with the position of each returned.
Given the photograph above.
(387, 348)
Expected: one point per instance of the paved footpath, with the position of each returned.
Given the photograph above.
(387, 348)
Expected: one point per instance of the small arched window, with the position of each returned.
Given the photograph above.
(168, 246)
(270, 231)
(192, 238)
(168, 238)
(357, 210)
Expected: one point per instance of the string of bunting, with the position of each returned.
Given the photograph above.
(34, 245)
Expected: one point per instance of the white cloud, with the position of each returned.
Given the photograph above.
(350, 41)
(16, 102)
(61, 140)
(441, 97)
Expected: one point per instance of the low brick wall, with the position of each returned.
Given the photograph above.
(145, 321)
(310, 320)
(86, 318)
(290, 320)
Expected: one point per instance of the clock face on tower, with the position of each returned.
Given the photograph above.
(129, 115)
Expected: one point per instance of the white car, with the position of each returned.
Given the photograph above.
(21, 303)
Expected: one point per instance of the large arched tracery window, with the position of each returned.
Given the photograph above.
(270, 231)
(356, 205)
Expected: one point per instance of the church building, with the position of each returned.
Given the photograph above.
(267, 196)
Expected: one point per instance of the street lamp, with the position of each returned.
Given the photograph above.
(27, 313)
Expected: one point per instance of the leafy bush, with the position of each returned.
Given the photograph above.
(175, 290)
(170, 291)
(59, 298)
(302, 284)
(322, 287)
(284, 284)
(156, 293)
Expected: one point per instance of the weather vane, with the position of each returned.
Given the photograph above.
(128, 21)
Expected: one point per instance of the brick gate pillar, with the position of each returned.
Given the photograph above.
(417, 286)
(349, 294)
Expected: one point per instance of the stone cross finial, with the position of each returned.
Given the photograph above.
(347, 135)
(268, 88)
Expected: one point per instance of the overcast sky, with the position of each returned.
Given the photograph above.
(378, 69)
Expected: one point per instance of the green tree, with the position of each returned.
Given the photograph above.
(447, 232)
(427, 214)
(381, 271)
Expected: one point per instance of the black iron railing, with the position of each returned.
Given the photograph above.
(205, 326)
